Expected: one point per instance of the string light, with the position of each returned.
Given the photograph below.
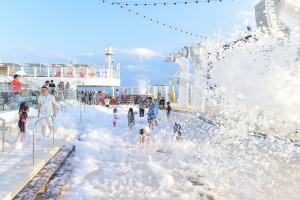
(160, 3)
(157, 22)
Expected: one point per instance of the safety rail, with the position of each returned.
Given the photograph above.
(3, 133)
(61, 106)
(80, 102)
(31, 83)
(33, 134)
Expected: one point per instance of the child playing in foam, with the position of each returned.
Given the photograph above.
(145, 132)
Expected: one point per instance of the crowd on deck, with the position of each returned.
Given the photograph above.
(47, 106)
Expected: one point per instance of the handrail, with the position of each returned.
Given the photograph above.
(62, 107)
(33, 134)
(31, 83)
(79, 102)
(3, 133)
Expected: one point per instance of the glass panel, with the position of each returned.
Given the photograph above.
(42, 71)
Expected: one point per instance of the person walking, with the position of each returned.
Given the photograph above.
(46, 107)
(141, 107)
(22, 125)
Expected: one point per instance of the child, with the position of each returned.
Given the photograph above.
(21, 108)
(150, 106)
(107, 101)
(145, 132)
(115, 117)
(22, 123)
(168, 110)
(130, 117)
(177, 130)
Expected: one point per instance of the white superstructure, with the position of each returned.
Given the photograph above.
(75, 74)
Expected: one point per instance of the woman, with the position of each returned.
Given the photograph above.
(130, 117)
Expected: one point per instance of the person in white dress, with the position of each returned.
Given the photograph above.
(46, 107)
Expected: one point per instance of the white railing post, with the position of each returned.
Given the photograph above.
(3, 134)
(33, 136)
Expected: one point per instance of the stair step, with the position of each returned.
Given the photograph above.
(39, 182)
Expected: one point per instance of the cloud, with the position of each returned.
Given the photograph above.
(141, 53)
(132, 67)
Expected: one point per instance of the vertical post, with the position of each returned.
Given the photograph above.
(22, 70)
(3, 134)
(53, 141)
(34, 71)
(48, 71)
(94, 98)
(80, 112)
(33, 143)
(61, 71)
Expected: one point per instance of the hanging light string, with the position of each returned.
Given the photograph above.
(158, 22)
(159, 3)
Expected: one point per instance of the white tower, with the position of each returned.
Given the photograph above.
(109, 60)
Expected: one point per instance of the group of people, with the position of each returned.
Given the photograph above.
(97, 98)
(61, 86)
(151, 116)
(46, 107)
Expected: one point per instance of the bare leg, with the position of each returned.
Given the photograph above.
(22, 136)
(142, 139)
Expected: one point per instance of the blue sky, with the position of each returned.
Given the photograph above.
(59, 31)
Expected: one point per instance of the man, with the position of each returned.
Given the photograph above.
(46, 107)
(46, 84)
(52, 87)
(162, 102)
(150, 106)
(16, 86)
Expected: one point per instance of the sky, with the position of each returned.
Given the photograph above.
(61, 31)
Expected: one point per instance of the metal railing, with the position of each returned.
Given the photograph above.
(33, 135)
(61, 106)
(80, 102)
(3, 133)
